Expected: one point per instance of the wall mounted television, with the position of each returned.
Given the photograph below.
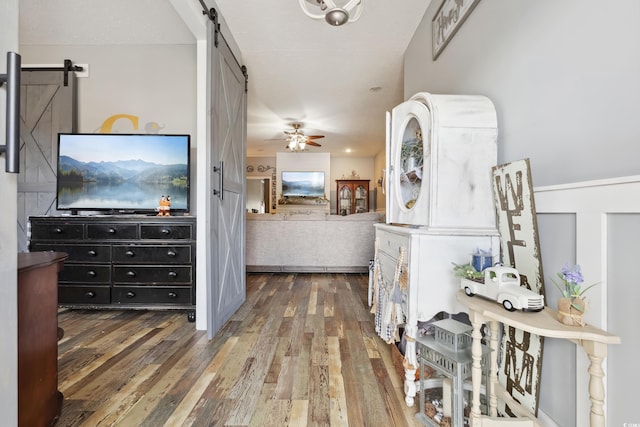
(122, 173)
(302, 184)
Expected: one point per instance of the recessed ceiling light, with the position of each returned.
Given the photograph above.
(348, 150)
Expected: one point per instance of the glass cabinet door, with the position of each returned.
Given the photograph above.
(411, 163)
(360, 199)
(344, 200)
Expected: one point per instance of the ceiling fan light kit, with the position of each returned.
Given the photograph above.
(332, 13)
(298, 141)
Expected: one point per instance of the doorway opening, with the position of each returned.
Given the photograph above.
(258, 194)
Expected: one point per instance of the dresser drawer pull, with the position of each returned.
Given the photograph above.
(90, 294)
(173, 274)
(91, 273)
(131, 294)
(171, 254)
(112, 230)
(130, 253)
(59, 230)
(172, 295)
(166, 231)
(131, 273)
(92, 253)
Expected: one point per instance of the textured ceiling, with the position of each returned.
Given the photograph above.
(337, 81)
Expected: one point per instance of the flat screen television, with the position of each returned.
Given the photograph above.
(122, 173)
(302, 184)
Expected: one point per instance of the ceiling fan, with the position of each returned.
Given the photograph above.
(298, 141)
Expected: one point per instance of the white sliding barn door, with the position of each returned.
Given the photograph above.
(226, 134)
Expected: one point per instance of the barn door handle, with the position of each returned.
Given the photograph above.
(220, 171)
(12, 79)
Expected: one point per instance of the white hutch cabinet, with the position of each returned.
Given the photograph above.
(440, 210)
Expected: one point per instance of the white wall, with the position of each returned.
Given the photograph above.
(8, 238)
(261, 166)
(563, 76)
(156, 83)
(343, 167)
(334, 168)
(299, 162)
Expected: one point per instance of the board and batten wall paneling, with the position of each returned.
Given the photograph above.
(594, 224)
(623, 294)
(557, 245)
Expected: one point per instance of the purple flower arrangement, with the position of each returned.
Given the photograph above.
(571, 279)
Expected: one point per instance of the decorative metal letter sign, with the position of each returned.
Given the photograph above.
(521, 352)
(449, 17)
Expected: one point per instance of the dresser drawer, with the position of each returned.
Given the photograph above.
(151, 274)
(166, 231)
(84, 294)
(57, 231)
(391, 243)
(85, 274)
(124, 262)
(151, 254)
(151, 295)
(112, 231)
(77, 253)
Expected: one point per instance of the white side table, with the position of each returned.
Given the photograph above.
(594, 341)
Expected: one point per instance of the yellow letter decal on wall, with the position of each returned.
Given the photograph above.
(108, 123)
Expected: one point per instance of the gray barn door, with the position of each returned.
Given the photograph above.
(47, 107)
(227, 138)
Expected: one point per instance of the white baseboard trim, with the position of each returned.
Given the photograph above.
(545, 420)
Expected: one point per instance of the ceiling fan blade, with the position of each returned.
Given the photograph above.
(315, 144)
(315, 136)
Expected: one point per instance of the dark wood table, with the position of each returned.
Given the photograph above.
(39, 401)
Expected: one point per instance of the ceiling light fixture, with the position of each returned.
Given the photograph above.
(297, 143)
(333, 14)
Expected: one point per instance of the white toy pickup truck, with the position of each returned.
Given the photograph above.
(502, 284)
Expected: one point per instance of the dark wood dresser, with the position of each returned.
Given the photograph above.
(39, 401)
(129, 261)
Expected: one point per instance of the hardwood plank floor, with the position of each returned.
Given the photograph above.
(302, 351)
